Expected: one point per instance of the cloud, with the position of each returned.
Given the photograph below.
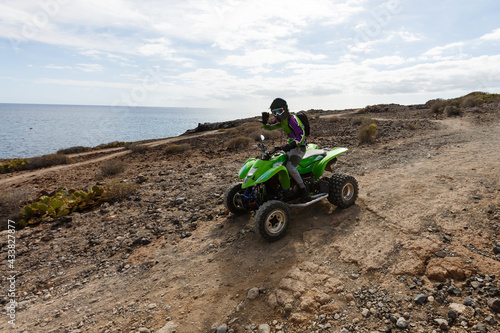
(58, 67)
(83, 83)
(233, 49)
(81, 67)
(493, 36)
(262, 57)
(449, 51)
(90, 67)
(390, 61)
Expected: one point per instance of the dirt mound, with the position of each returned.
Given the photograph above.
(418, 252)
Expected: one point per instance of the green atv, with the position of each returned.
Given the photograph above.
(268, 190)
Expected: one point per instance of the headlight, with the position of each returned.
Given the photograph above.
(251, 172)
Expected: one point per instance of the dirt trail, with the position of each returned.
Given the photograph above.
(109, 154)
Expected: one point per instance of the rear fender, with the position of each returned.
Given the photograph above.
(327, 162)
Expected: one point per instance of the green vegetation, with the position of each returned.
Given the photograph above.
(13, 165)
(61, 203)
(34, 163)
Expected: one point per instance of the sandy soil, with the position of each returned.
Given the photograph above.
(171, 259)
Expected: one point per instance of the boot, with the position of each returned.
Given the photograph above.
(304, 195)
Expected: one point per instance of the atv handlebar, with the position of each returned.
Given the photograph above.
(266, 155)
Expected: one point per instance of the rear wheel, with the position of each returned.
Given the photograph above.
(232, 200)
(272, 220)
(343, 190)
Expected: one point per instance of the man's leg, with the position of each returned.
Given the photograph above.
(294, 157)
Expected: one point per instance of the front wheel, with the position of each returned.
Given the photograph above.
(272, 220)
(343, 191)
(232, 200)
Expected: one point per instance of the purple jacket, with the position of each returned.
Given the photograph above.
(292, 127)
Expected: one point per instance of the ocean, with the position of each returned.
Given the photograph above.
(28, 130)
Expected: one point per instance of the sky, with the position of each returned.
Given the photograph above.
(316, 54)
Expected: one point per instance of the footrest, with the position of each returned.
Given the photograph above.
(314, 198)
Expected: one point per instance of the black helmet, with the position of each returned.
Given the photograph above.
(279, 108)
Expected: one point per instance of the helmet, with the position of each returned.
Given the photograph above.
(279, 109)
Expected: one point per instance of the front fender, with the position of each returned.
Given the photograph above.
(330, 157)
(280, 170)
(246, 167)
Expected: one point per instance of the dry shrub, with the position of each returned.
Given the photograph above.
(272, 135)
(437, 105)
(47, 161)
(11, 203)
(112, 167)
(356, 121)
(239, 142)
(452, 111)
(232, 131)
(248, 128)
(137, 148)
(367, 130)
(267, 134)
(412, 126)
(114, 144)
(173, 149)
(334, 119)
(74, 150)
(471, 101)
(116, 190)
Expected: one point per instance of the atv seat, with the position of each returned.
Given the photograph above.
(314, 152)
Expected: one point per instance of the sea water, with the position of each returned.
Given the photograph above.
(28, 130)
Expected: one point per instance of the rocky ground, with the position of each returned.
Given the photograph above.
(419, 252)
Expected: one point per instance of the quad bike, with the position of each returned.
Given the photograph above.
(268, 190)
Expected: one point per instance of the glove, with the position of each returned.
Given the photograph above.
(290, 146)
(265, 117)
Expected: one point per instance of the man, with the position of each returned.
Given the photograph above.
(296, 145)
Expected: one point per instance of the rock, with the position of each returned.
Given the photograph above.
(171, 327)
(454, 291)
(222, 328)
(264, 328)
(496, 248)
(452, 316)
(494, 304)
(480, 328)
(402, 323)
(420, 299)
(469, 301)
(442, 323)
(365, 312)
(179, 201)
(143, 330)
(475, 284)
(490, 320)
(440, 269)
(253, 293)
